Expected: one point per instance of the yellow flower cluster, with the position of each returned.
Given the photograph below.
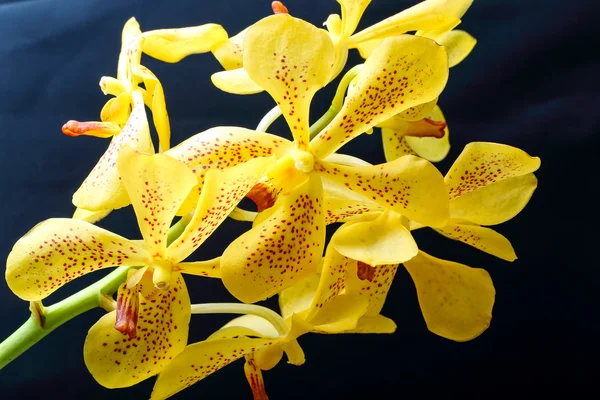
(299, 187)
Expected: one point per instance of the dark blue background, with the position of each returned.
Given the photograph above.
(532, 82)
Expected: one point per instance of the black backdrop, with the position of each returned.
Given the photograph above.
(531, 82)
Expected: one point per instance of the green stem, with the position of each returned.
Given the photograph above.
(46, 319)
(337, 102)
(54, 316)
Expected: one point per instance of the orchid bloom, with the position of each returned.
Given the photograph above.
(287, 240)
(149, 326)
(263, 344)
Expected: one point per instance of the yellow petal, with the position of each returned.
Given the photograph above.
(372, 283)
(230, 52)
(236, 81)
(201, 359)
(117, 109)
(427, 15)
(482, 163)
(340, 210)
(259, 326)
(352, 11)
(430, 147)
(456, 300)
(340, 314)
(221, 192)
(403, 72)
(131, 29)
(409, 186)
(331, 284)
(298, 298)
(172, 45)
(334, 25)
(395, 144)
(459, 45)
(90, 216)
(291, 59)
(495, 203)
(223, 147)
(157, 185)
(117, 361)
(103, 189)
(384, 240)
(484, 239)
(374, 324)
(59, 250)
(156, 103)
(255, 378)
(283, 249)
(209, 268)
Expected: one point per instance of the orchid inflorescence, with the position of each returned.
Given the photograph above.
(299, 187)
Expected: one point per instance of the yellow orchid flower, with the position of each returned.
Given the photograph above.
(292, 65)
(488, 184)
(262, 343)
(153, 305)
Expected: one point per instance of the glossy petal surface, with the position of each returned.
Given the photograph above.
(103, 189)
(59, 250)
(201, 359)
(157, 185)
(281, 250)
(484, 239)
(402, 72)
(221, 193)
(115, 360)
(230, 53)
(482, 163)
(459, 45)
(352, 11)
(456, 300)
(223, 147)
(422, 139)
(236, 81)
(409, 186)
(292, 65)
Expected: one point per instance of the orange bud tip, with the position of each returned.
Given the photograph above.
(365, 272)
(440, 125)
(98, 129)
(279, 8)
(262, 195)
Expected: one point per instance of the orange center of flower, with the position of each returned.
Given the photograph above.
(427, 128)
(263, 195)
(127, 310)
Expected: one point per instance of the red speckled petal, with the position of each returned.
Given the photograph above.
(116, 361)
(373, 285)
(403, 72)
(484, 239)
(59, 250)
(482, 163)
(291, 59)
(283, 249)
(341, 210)
(201, 359)
(223, 147)
(255, 378)
(456, 300)
(409, 186)
(209, 268)
(157, 186)
(221, 193)
(103, 189)
(229, 53)
(394, 144)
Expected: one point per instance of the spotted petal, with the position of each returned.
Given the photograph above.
(481, 164)
(484, 239)
(223, 147)
(495, 203)
(103, 189)
(172, 45)
(115, 360)
(281, 250)
(201, 359)
(403, 72)
(291, 59)
(409, 186)
(221, 193)
(230, 53)
(157, 185)
(59, 250)
(456, 300)
(130, 31)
